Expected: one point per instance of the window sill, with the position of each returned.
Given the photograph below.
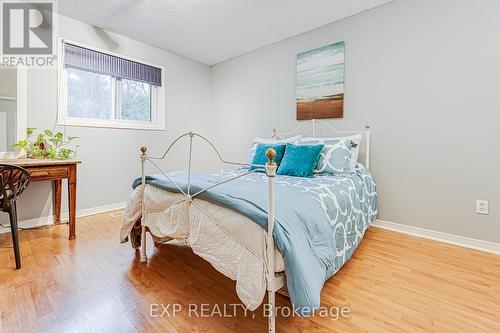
(112, 124)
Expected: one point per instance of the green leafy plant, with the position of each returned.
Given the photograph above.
(46, 145)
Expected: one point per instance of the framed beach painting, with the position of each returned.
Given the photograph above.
(320, 82)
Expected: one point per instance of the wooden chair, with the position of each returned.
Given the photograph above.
(13, 181)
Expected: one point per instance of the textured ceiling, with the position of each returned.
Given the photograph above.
(211, 31)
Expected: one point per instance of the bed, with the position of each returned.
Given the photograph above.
(260, 229)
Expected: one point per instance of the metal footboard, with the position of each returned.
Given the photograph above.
(274, 281)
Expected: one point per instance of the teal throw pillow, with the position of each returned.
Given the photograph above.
(300, 161)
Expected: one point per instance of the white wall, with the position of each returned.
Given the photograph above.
(8, 79)
(3, 128)
(110, 157)
(425, 74)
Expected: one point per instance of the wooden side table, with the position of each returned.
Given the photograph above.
(56, 171)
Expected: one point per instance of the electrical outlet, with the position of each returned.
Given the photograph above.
(482, 207)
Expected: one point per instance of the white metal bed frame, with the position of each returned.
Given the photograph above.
(274, 280)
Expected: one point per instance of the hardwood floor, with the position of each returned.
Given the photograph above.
(393, 283)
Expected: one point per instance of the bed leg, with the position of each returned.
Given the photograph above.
(144, 256)
(271, 320)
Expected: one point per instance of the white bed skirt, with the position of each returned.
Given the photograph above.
(233, 244)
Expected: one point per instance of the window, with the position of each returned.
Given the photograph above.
(105, 90)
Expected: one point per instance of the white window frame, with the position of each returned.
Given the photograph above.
(157, 122)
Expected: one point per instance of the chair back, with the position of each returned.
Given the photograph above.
(13, 181)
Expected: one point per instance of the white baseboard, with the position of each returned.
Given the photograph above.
(49, 220)
(439, 236)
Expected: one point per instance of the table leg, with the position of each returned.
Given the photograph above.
(57, 200)
(72, 201)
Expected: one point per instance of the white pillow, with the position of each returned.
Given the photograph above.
(355, 143)
(256, 141)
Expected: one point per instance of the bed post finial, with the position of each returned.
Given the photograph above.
(271, 165)
(144, 149)
(271, 154)
(275, 135)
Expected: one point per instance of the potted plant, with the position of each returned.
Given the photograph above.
(46, 145)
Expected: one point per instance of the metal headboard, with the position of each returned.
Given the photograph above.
(366, 131)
